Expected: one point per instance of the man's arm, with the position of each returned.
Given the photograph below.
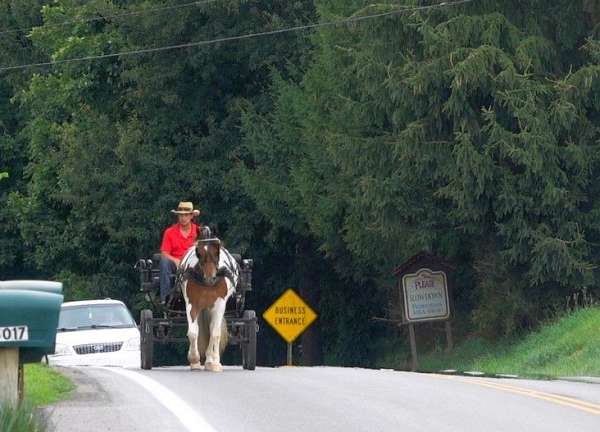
(171, 257)
(165, 249)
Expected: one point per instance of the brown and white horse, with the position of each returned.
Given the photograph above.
(210, 277)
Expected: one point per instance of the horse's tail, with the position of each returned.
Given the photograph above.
(204, 334)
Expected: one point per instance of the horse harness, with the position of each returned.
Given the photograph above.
(201, 291)
(192, 274)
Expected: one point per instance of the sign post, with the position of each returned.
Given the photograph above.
(414, 365)
(425, 295)
(9, 375)
(289, 315)
(449, 343)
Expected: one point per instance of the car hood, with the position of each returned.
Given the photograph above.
(78, 337)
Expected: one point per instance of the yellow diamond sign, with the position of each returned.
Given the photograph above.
(289, 315)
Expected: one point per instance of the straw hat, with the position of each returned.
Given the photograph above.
(186, 207)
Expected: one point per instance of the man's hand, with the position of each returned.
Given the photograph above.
(171, 257)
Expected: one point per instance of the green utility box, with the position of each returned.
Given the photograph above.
(29, 312)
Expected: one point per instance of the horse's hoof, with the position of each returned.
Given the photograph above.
(195, 366)
(214, 367)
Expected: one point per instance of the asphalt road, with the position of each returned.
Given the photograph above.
(320, 399)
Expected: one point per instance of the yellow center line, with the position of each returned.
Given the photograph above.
(556, 396)
(588, 407)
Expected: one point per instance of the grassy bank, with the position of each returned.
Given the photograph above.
(24, 418)
(44, 385)
(568, 347)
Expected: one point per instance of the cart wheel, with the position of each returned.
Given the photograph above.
(147, 336)
(249, 347)
(244, 345)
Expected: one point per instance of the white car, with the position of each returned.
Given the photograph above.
(96, 333)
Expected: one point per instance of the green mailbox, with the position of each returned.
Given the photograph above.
(29, 312)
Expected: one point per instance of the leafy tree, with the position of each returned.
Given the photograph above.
(330, 157)
(114, 143)
(15, 48)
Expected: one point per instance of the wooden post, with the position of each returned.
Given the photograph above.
(289, 354)
(21, 386)
(413, 347)
(9, 375)
(449, 343)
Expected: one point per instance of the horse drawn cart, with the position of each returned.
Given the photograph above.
(158, 324)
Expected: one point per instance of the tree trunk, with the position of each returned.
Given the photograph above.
(592, 11)
(310, 290)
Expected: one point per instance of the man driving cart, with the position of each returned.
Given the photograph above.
(176, 240)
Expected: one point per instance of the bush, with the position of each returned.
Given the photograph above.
(502, 307)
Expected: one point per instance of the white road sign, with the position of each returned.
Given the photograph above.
(425, 296)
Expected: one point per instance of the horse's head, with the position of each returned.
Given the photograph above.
(208, 252)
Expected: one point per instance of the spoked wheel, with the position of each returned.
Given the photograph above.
(249, 342)
(146, 336)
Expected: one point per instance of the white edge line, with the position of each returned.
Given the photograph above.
(192, 421)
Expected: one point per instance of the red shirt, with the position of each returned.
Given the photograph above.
(175, 244)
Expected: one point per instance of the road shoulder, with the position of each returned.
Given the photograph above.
(106, 401)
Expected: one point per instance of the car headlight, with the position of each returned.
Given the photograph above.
(62, 349)
(132, 344)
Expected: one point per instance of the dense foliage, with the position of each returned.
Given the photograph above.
(472, 134)
(329, 156)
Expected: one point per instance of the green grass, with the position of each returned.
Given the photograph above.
(44, 385)
(23, 418)
(568, 347)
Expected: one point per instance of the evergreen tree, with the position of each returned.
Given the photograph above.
(468, 131)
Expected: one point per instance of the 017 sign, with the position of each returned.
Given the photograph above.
(425, 296)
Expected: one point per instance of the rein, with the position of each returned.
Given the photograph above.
(198, 276)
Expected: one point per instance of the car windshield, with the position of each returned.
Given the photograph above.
(94, 316)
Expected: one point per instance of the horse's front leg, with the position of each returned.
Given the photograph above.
(213, 355)
(192, 333)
